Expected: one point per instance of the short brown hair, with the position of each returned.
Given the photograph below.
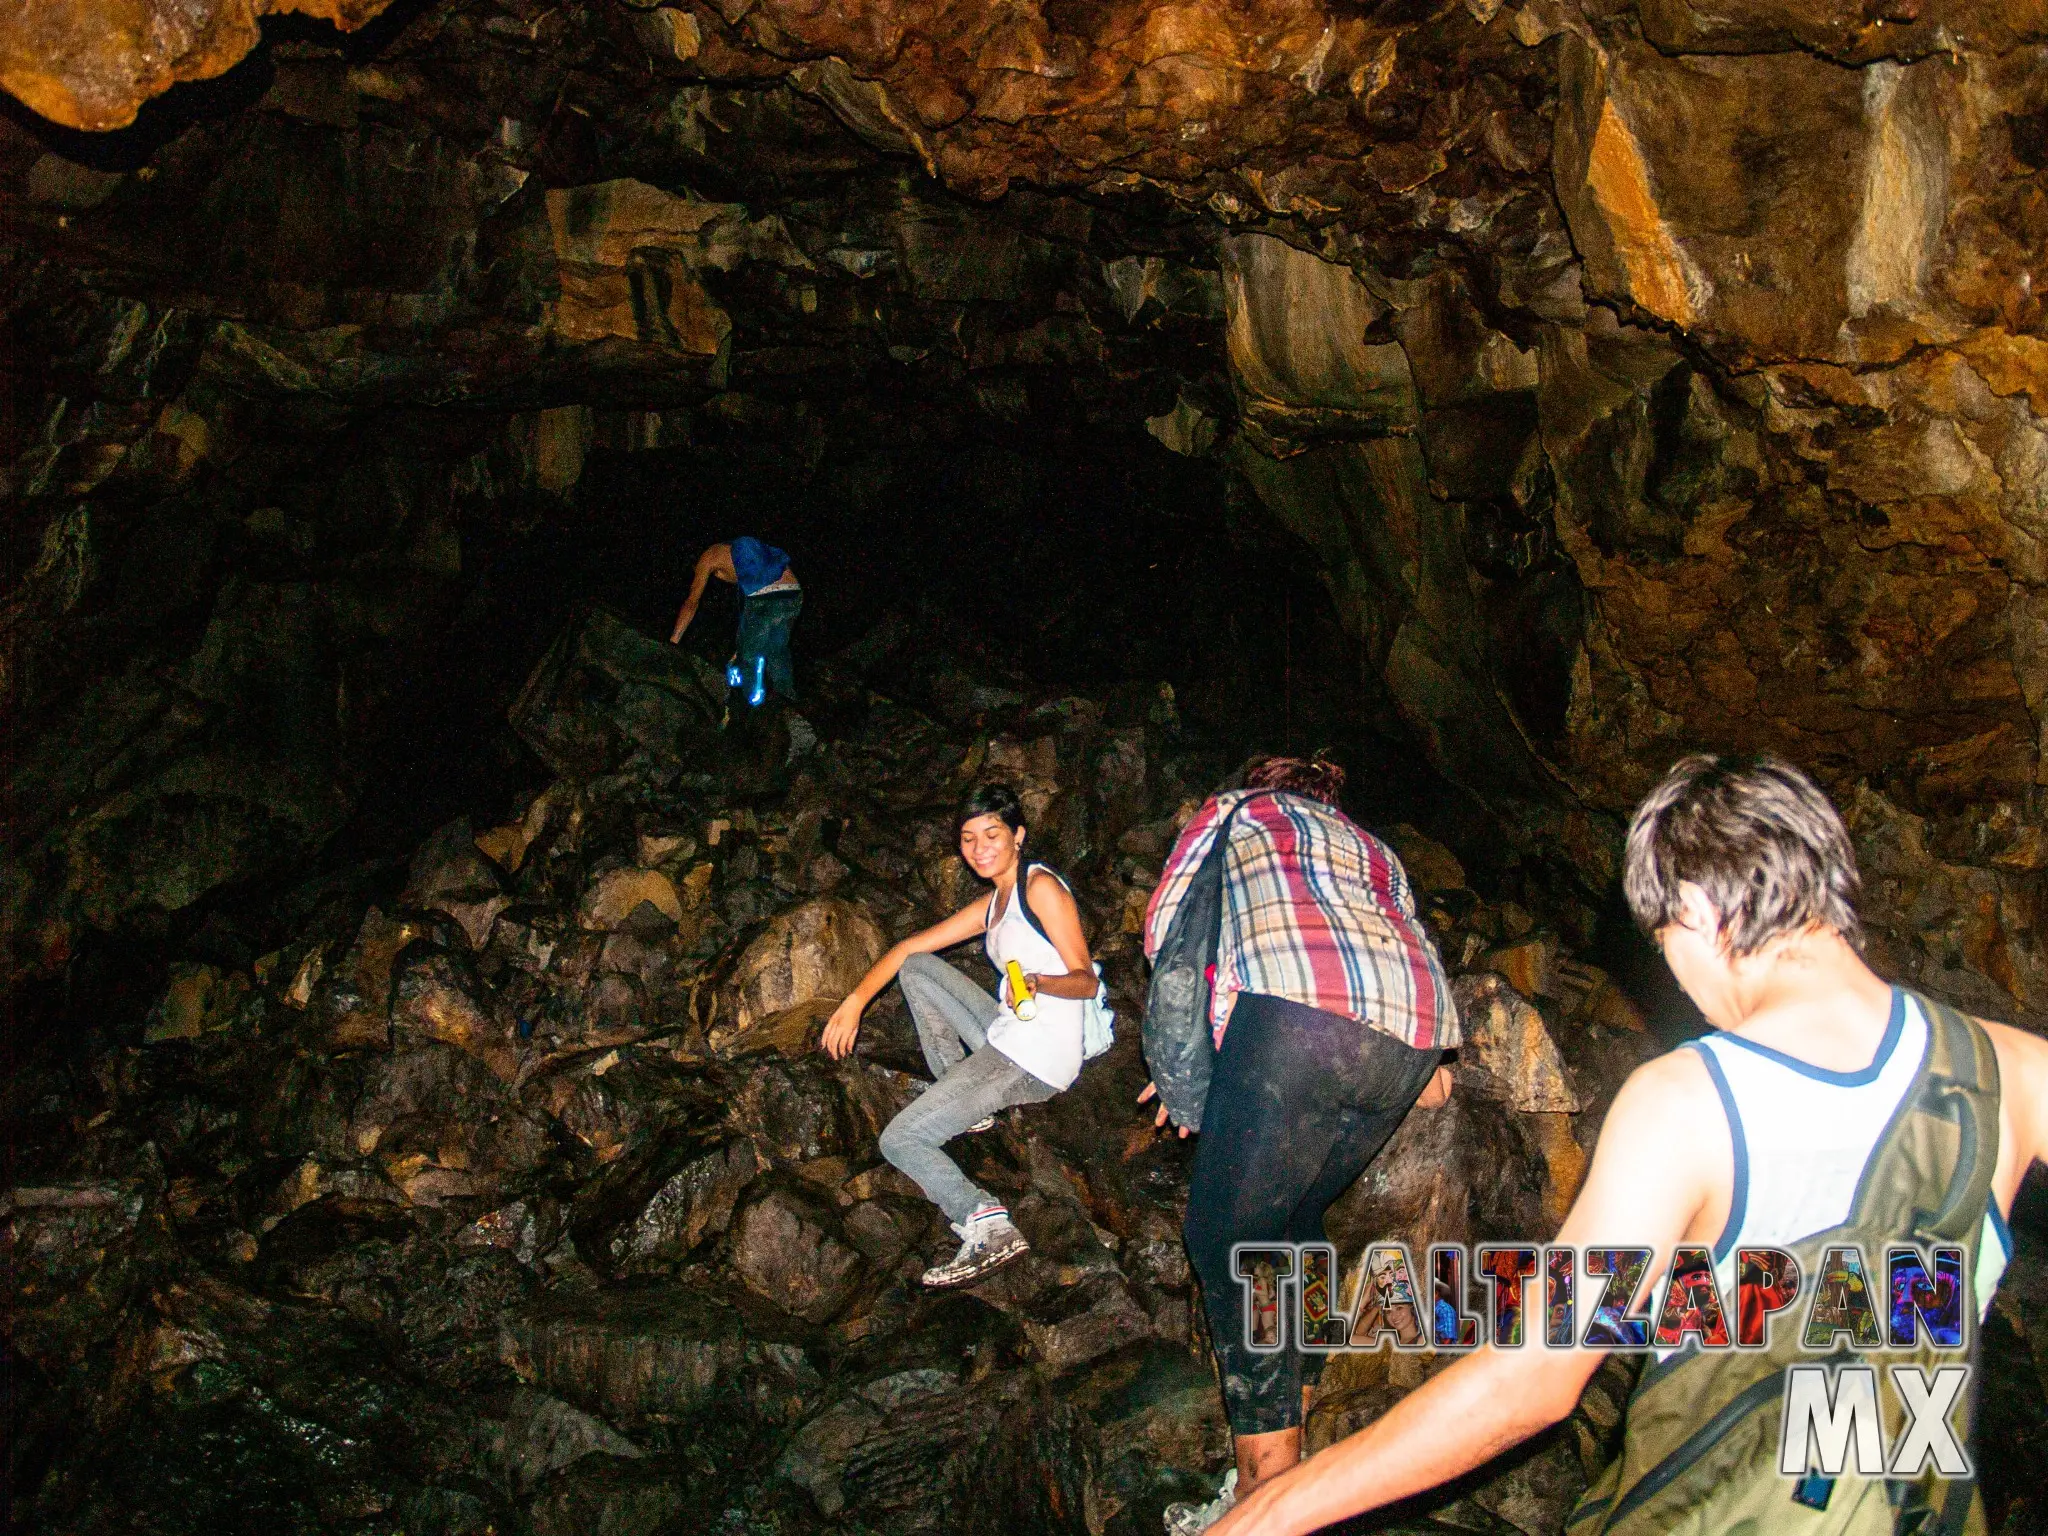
(1758, 837)
(1316, 777)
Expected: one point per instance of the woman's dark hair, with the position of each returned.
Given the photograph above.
(997, 800)
(1316, 777)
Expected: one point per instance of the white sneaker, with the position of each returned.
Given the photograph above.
(1193, 1519)
(987, 1241)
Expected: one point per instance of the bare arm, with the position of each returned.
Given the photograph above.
(2022, 1108)
(1647, 1188)
(715, 561)
(1054, 906)
(843, 1028)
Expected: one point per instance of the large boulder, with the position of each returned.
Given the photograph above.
(450, 874)
(604, 691)
(436, 995)
(809, 957)
(790, 1249)
(691, 1205)
(441, 1125)
(661, 1354)
(72, 1256)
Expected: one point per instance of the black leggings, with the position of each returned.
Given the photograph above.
(1300, 1102)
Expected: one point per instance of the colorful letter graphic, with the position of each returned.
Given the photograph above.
(1692, 1303)
(1613, 1324)
(1937, 1302)
(1450, 1325)
(1508, 1270)
(1264, 1273)
(1560, 1297)
(1841, 1304)
(1322, 1327)
(1766, 1281)
(1386, 1300)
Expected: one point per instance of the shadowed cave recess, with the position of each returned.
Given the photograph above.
(412, 1114)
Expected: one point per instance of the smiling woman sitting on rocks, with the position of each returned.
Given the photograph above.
(985, 1052)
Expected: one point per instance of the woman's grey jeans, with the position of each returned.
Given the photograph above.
(953, 1016)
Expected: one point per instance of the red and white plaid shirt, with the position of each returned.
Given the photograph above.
(1315, 910)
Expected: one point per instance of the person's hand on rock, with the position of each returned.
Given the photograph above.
(1436, 1093)
(1159, 1120)
(841, 1030)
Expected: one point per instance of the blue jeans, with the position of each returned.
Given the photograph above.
(953, 1016)
(767, 620)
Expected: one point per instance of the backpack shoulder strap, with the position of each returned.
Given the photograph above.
(1024, 896)
(1942, 1138)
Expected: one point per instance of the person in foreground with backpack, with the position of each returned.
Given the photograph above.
(1326, 1018)
(1829, 1107)
(985, 1052)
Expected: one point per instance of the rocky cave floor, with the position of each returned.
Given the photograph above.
(510, 1193)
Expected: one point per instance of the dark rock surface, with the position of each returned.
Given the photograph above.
(1630, 379)
(455, 1271)
(411, 1111)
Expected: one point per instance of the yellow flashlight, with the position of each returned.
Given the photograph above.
(1022, 1003)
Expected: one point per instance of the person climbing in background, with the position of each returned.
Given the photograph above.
(770, 600)
(985, 1052)
(1330, 1012)
(1827, 1108)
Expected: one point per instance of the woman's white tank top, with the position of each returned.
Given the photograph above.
(1048, 1046)
(1803, 1134)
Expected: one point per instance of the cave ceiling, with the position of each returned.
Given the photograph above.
(1642, 377)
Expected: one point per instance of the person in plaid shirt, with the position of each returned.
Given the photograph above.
(1331, 1013)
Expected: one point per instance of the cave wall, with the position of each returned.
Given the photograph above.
(1642, 378)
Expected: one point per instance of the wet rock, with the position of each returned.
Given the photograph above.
(441, 1125)
(449, 874)
(822, 1451)
(915, 1441)
(789, 1247)
(695, 1203)
(1528, 966)
(526, 1229)
(355, 1004)
(199, 998)
(1083, 1322)
(1429, 864)
(604, 691)
(1508, 1053)
(809, 957)
(1038, 1469)
(617, 1101)
(73, 1256)
(301, 1249)
(449, 1512)
(437, 996)
(661, 1354)
(608, 1499)
(615, 898)
(796, 1110)
(540, 1435)
(1156, 1402)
